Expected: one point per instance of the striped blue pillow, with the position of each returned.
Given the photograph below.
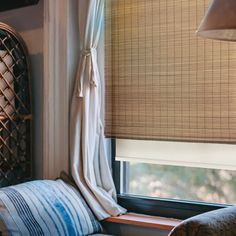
(47, 208)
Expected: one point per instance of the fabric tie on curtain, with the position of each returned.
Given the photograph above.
(89, 163)
(91, 55)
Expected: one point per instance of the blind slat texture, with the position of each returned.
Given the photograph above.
(162, 81)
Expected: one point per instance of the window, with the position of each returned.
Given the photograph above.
(170, 104)
(164, 169)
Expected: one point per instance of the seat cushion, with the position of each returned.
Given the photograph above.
(45, 208)
(214, 223)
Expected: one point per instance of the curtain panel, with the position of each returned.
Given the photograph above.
(89, 163)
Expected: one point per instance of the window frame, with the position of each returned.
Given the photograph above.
(171, 208)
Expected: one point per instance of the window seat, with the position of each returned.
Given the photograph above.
(145, 221)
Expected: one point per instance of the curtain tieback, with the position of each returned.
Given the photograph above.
(86, 54)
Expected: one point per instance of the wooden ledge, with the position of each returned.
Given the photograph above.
(145, 221)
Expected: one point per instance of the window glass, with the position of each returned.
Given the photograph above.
(176, 182)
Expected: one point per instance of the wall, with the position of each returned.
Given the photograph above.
(28, 22)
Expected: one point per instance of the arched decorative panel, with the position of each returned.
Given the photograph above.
(15, 109)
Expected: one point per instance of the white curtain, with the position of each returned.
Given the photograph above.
(89, 162)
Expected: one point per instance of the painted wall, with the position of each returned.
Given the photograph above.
(28, 22)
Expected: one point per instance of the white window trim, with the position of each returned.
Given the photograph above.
(59, 71)
(203, 155)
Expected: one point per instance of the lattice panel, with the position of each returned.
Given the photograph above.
(15, 109)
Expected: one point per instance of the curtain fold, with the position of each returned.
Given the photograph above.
(89, 163)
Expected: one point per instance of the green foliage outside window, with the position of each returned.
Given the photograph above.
(185, 183)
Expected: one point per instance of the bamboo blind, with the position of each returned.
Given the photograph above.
(162, 81)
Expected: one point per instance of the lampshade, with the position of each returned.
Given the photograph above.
(220, 21)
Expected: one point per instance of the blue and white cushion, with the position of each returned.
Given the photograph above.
(47, 208)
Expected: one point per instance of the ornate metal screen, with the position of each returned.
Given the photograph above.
(15, 109)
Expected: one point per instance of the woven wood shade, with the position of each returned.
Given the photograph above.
(162, 81)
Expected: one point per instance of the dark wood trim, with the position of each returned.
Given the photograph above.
(13, 4)
(116, 168)
(165, 207)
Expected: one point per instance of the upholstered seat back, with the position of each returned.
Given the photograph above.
(215, 223)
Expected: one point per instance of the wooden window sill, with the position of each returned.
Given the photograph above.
(145, 221)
